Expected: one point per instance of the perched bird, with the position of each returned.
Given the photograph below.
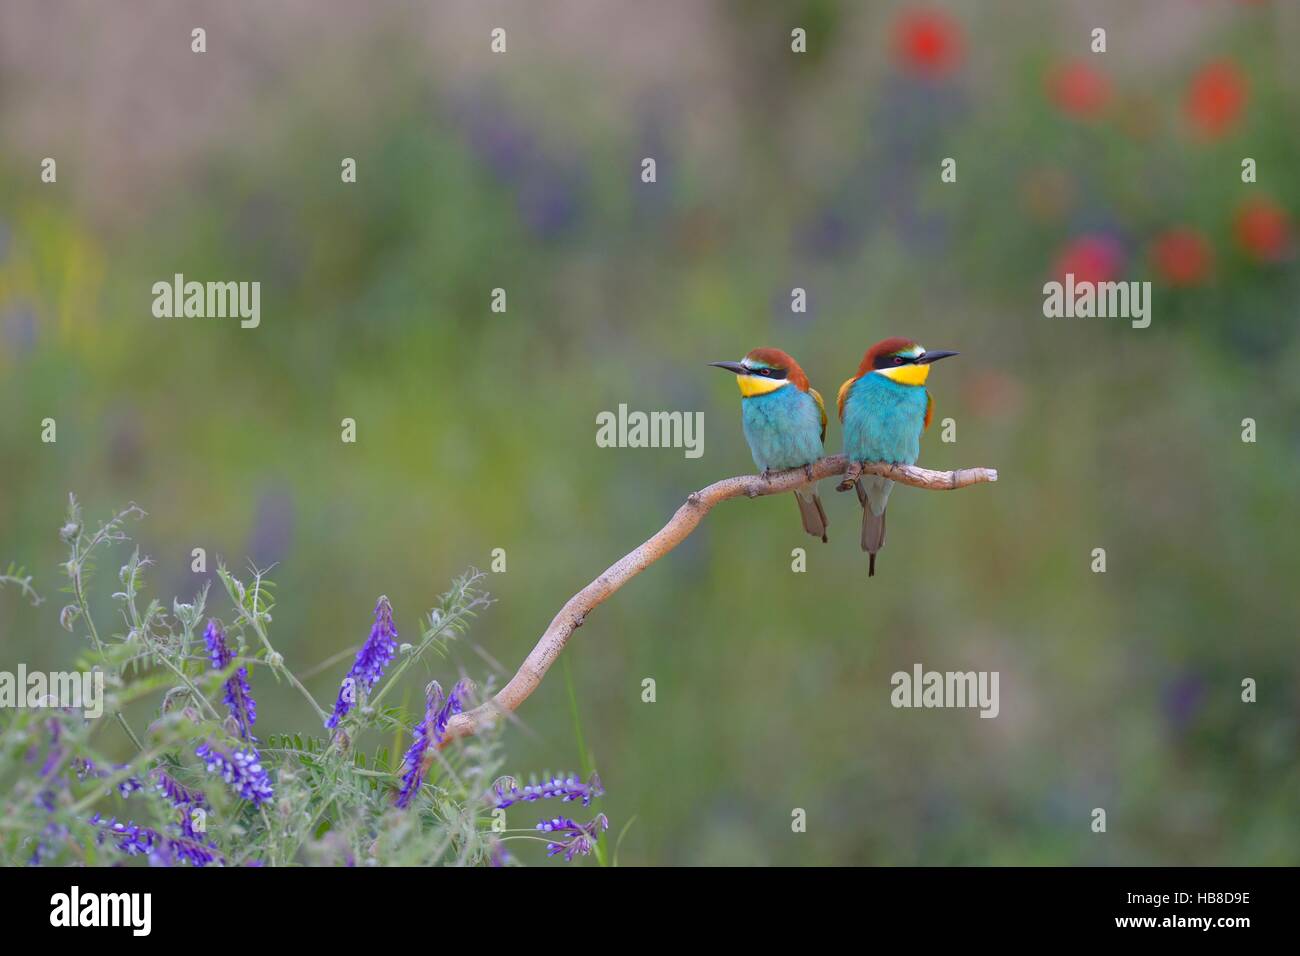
(884, 410)
(784, 421)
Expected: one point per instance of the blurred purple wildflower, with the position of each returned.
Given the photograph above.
(429, 733)
(508, 791)
(496, 139)
(242, 769)
(374, 656)
(18, 329)
(572, 838)
(45, 799)
(1183, 698)
(548, 189)
(85, 767)
(55, 754)
(549, 200)
(273, 526)
(52, 832)
(162, 849)
(239, 696)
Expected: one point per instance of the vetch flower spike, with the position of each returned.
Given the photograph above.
(162, 850)
(239, 696)
(567, 788)
(572, 838)
(242, 769)
(429, 734)
(182, 798)
(371, 661)
(177, 793)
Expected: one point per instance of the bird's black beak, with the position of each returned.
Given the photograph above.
(731, 367)
(928, 357)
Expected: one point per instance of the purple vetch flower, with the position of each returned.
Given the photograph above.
(52, 832)
(177, 793)
(45, 799)
(572, 838)
(162, 849)
(131, 839)
(51, 761)
(241, 768)
(55, 753)
(183, 799)
(238, 696)
(508, 791)
(85, 767)
(429, 733)
(373, 657)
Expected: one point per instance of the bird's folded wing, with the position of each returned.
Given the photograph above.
(821, 406)
(844, 393)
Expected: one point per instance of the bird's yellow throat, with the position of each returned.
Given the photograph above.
(907, 374)
(751, 385)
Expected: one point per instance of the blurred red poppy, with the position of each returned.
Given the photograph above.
(1263, 230)
(1078, 90)
(1182, 256)
(928, 42)
(1091, 258)
(1216, 98)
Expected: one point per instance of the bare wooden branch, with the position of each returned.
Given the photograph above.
(575, 611)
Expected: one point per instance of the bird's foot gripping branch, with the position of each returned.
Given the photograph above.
(688, 516)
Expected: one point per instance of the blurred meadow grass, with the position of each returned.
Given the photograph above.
(476, 430)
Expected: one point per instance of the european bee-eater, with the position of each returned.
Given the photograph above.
(784, 421)
(884, 410)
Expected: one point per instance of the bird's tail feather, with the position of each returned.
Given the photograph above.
(812, 513)
(873, 531)
(873, 537)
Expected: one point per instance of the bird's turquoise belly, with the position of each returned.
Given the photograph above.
(883, 420)
(783, 428)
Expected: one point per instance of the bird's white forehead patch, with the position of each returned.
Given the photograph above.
(913, 352)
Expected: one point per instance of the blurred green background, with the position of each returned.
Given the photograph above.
(476, 430)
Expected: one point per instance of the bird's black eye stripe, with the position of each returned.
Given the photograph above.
(770, 372)
(890, 361)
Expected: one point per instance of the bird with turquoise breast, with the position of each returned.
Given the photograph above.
(784, 420)
(885, 408)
